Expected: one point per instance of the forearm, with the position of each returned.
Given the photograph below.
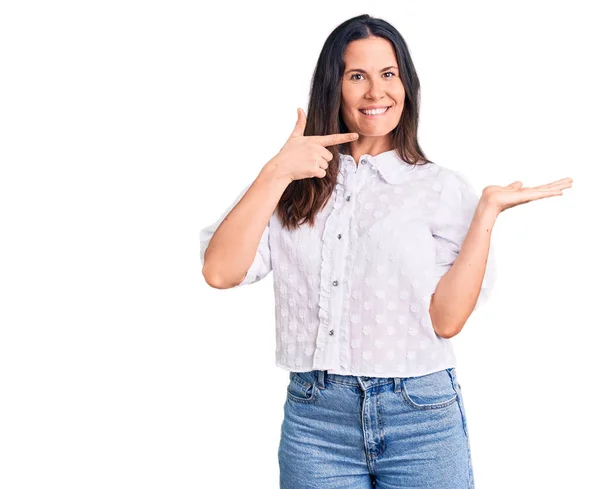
(457, 291)
(234, 244)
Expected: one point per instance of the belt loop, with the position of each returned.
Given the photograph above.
(321, 379)
(451, 372)
(397, 384)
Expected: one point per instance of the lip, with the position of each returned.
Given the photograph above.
(374, 116)
(374, 107)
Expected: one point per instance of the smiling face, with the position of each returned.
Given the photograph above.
(371, 79)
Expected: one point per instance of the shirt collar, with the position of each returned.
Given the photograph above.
(389, 164)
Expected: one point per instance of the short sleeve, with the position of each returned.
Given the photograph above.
(453, 217)
(261, 266)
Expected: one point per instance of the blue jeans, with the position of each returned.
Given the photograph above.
(357, 432)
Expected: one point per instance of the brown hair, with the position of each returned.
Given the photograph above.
(303, 199)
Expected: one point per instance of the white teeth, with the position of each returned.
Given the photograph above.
(374, 111)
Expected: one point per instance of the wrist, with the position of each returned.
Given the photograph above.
(272, 172)
(486, 211)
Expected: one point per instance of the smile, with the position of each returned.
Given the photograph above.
(374, 112)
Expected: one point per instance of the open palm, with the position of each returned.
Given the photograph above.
(503, 198)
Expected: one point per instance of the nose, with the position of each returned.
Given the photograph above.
(376, 90)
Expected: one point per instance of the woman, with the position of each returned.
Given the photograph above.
(379, 257)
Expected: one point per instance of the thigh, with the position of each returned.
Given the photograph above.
(426, 442)
(321, 442)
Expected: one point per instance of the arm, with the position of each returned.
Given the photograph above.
(233, 246)
(457, 291)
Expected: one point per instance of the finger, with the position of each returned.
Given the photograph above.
(533, 194)
(325, 153)
(300, 124)
(553, 186)
(563, 182)
(548, 194)
(332, 139)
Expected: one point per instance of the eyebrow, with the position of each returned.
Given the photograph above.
(363, 71)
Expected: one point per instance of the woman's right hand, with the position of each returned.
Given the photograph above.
(306, 156)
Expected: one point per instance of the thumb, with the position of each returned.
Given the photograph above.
(300, 124)
(517, 184)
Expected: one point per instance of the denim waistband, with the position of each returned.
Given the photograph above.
(362, 380)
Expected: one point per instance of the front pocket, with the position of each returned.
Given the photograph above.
(300, 388)
(431, 391)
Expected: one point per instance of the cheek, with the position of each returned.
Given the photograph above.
(346, 112)
(350, 98)
(348, 109)
(400, 94)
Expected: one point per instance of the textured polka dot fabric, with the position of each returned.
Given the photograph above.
(352, 294)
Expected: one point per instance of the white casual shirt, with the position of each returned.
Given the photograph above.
(352, 294)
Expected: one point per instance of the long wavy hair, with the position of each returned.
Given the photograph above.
(304, 198)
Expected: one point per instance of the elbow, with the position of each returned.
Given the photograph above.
(443, 331)
(213, 279)
(442, 327)
(213, 282)
(216, 281)
(447, 330)
(446, 333)
(210, 277)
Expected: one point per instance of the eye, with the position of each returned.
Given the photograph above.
(360, 74)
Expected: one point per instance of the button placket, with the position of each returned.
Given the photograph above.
(335, 283)
(328, 314)
(342, 345)
(334, 350)
(348, 216)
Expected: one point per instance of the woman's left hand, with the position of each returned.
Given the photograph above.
(502, 198)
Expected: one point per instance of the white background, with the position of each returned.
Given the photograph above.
(126, 127)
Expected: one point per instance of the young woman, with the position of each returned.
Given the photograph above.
(379, 257)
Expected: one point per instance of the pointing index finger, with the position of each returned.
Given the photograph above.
(340, 138)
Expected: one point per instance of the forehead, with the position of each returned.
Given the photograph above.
(369, 53)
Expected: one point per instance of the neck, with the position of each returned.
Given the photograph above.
(371, 146)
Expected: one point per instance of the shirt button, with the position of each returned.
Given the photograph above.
(363, 161)
(339, 236)
(330, 332)
(348, 199)
(335, 282)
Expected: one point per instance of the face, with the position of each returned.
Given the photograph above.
(371, 78)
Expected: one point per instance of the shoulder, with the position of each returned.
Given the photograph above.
(457, 199)
(450, 175)
(454, 181)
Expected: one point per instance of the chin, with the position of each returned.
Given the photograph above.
(373, 134)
